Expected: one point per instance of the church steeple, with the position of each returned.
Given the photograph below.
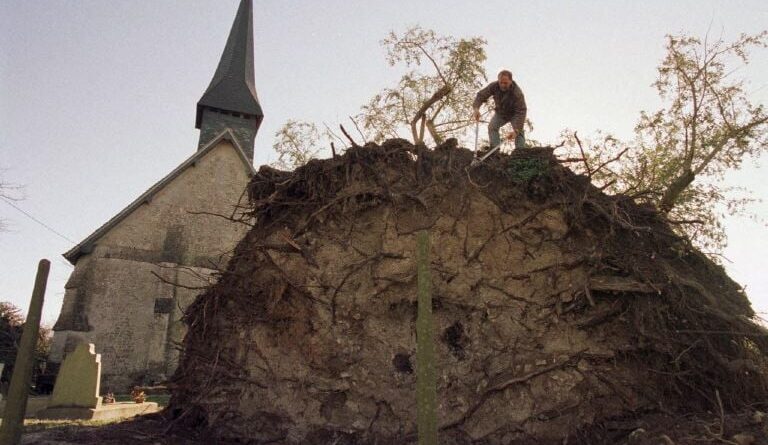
(230, 100)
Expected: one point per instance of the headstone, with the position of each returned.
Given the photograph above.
(77, 384)
(76, 394)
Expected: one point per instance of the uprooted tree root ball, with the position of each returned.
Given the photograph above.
(557, 308)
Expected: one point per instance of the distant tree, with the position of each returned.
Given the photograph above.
(707, 126)
(10, 315)
(430, 102)
(11, 328)
(296, 143)
(11, 323)
(42, 349)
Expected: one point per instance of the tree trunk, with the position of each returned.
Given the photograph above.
(669, 199)
(421, 113)
(433, 132)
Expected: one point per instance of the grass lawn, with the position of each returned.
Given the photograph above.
(160, 399)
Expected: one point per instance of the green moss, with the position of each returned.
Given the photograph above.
(525, 169)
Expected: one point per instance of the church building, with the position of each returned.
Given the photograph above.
(135, 275)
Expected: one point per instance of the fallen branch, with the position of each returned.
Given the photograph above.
(583, 155)
(568, 160)
(351, 141)
(618, 284)
(614, 159)
(177, 284)
(354, 122)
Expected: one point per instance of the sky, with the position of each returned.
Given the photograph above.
(97, 98)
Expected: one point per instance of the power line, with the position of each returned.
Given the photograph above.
(52, 230)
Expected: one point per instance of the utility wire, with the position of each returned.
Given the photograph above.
(10, 203)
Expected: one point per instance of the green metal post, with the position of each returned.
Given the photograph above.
(426, 385)
(16, 406)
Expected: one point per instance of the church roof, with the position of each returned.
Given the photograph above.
(232, 87)
(86, 246)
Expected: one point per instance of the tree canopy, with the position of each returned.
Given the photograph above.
(706, 126)
(11, 327)
(296, 143)
(429, 103)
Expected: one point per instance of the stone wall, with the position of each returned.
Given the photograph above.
(128, 295)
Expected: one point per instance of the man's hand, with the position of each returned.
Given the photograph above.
(476, 115)
(512, 135)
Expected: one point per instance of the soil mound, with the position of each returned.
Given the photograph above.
(557, 308)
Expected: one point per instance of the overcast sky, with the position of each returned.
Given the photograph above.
(97, 98)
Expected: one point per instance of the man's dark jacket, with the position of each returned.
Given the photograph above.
(510, 104)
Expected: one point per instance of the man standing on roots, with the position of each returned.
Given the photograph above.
(510, 108)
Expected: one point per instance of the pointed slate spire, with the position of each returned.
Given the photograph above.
(230, 100)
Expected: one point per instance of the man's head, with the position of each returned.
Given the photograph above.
(505, 79)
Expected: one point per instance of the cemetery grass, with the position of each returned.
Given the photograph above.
(160, 399)
(35, 425)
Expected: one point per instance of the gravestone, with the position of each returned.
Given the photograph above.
(76, 394)
(77, 384)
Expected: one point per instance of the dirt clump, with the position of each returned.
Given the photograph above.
(557, 308)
